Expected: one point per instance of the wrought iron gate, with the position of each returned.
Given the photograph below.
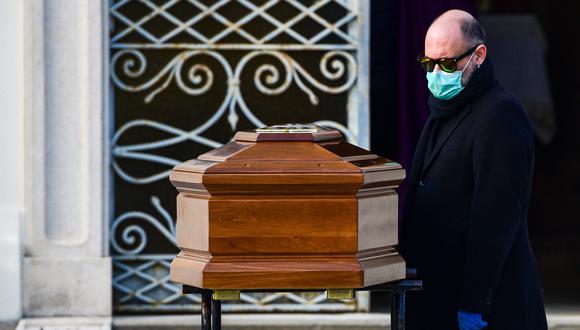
(186, 75)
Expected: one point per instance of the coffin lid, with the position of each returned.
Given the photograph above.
(289, 132)
(289, 148)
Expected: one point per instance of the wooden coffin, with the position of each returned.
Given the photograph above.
(287, 207)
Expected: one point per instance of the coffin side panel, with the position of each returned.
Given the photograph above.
(188, 269)
(284, 274)
(382, 269)
(378, 223)
(276, 151)
(283, 225)
(188, 182)
(296, 166)
(192, 223)
(283, 184)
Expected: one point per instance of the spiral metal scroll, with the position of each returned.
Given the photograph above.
(133, 236)
(268, 79)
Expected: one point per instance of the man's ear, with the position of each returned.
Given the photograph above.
(480, 54)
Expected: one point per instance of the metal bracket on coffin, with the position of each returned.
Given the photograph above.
(340, 293)
(226, 295)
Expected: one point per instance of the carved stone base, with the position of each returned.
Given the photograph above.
(67, 286)
(66, 323)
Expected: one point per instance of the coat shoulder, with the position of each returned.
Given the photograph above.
(499, 107)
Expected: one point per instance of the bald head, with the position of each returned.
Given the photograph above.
(452, 34)
(453, 31)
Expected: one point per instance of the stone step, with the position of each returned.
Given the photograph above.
(565, 320)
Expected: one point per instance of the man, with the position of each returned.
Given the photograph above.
(465, 226)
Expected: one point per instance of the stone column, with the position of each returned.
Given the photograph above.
(11, 160)
(66, 269)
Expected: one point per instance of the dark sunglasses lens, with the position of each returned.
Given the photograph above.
(448, 65)
(427, 64)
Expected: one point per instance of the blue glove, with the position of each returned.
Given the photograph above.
(470, 321)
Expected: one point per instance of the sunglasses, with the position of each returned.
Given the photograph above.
(446, 64)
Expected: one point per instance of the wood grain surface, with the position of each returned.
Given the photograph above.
(287, 214)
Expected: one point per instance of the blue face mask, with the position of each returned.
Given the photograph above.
(445, 85)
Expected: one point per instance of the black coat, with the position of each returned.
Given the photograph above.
(465, 225)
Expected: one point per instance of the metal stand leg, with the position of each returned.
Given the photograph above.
(211, 310)
(398, 310)
(206, 311)
(216, 314)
